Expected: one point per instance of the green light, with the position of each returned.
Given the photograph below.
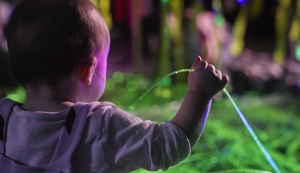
(143, 83)
(166, 82)
(110, 84)
(166, 93)
(219, 20)
(158, 91)
(135, 93)
(131, 107)
(214, 159)
(264, 137)
(297, 52)
(19, 95)
(165, 1)
(13, 96)
(235, 162)
(118, 77)
(132, 86)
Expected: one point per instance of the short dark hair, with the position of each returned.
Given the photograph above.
(48, 40)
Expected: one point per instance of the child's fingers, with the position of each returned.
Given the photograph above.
(211, 67)
(202, 65)
(197, 60)
(225, 79)
(219, 74)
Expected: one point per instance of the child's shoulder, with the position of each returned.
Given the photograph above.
(110, 113)
(98, 107)
(7, 103)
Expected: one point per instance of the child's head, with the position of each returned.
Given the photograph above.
(50, 40)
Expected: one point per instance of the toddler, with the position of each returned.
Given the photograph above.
(58, 52)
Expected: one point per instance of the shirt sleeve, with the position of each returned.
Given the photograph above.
(130, 143)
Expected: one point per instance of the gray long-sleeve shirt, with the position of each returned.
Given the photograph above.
(112, 141)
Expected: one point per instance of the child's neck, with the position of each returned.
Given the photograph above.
(45, 98)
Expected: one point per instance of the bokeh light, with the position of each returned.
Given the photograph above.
(132, 86)
(242, 2)
(118, 77)
(110, 84)
(297, 52)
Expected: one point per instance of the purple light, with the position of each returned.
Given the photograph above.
(241, 2)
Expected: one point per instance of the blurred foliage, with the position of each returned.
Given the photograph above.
(226, 145)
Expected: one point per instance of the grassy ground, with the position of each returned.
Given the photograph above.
(225, 145)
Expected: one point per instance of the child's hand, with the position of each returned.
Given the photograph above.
(205, 79)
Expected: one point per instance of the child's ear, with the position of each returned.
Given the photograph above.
(87, 72)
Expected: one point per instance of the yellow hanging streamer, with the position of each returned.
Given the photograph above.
(295, 28)
(294, 32)
(104, 7)
(239, 28)
(280, 26)
(176, 9)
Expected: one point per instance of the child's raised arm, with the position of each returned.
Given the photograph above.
(203, 84)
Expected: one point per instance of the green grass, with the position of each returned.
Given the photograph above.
(226, 145)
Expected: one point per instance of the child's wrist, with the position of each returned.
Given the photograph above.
(200, 94)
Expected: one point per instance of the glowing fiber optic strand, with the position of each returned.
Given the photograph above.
(255, 138)
(132, 106)
(242, 117)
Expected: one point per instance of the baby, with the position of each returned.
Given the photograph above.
(58, 52)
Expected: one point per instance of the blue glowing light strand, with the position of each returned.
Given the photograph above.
(132, 106)
(257, 141)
